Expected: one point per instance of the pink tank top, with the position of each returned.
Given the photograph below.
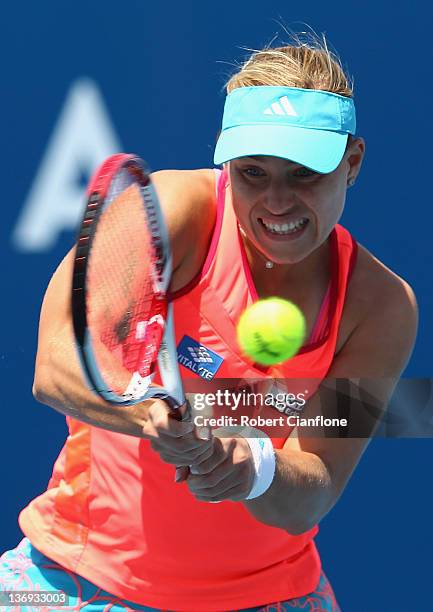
(112, 512)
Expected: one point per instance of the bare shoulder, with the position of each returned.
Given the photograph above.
(195, 183)
(381, 310)
(374, 284)
(189, 204)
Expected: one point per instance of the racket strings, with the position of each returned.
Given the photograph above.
(124, 313)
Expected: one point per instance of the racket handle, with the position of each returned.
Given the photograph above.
(174, 406)
(182, 472)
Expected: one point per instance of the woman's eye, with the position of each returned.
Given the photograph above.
(253, 172)
(305, 172)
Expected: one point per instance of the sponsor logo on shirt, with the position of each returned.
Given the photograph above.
(198, 358)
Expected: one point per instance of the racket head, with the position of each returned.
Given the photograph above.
(122, 270)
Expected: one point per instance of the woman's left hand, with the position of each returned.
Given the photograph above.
(228, 474)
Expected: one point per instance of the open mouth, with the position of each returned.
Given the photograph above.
(285, 229)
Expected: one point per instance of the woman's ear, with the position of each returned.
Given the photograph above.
(354, 155)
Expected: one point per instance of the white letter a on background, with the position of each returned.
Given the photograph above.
(82, 138)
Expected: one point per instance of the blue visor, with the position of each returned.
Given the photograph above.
(306, 126)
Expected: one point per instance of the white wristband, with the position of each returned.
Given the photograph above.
(264, 460)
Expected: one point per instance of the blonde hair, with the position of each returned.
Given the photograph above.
(307, 63)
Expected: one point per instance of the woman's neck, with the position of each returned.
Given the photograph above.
(280, 278)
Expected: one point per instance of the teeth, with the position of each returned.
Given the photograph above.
(285, 228)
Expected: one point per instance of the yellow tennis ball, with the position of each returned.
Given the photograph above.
(271, 331)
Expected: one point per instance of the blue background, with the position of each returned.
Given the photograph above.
(160, 72)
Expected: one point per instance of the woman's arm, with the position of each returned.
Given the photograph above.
(312, 472)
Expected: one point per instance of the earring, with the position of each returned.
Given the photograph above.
(351, 182)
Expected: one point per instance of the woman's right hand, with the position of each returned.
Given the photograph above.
(177, 442)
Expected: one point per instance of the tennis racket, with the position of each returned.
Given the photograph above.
(122, 319)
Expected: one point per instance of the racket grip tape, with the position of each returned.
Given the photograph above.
(175, 412)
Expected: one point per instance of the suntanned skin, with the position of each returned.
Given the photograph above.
(311, 472)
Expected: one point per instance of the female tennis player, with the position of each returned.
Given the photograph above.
(114, 530)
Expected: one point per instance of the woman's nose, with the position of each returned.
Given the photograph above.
(281, 199)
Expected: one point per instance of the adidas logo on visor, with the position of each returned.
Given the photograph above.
(282, 107)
